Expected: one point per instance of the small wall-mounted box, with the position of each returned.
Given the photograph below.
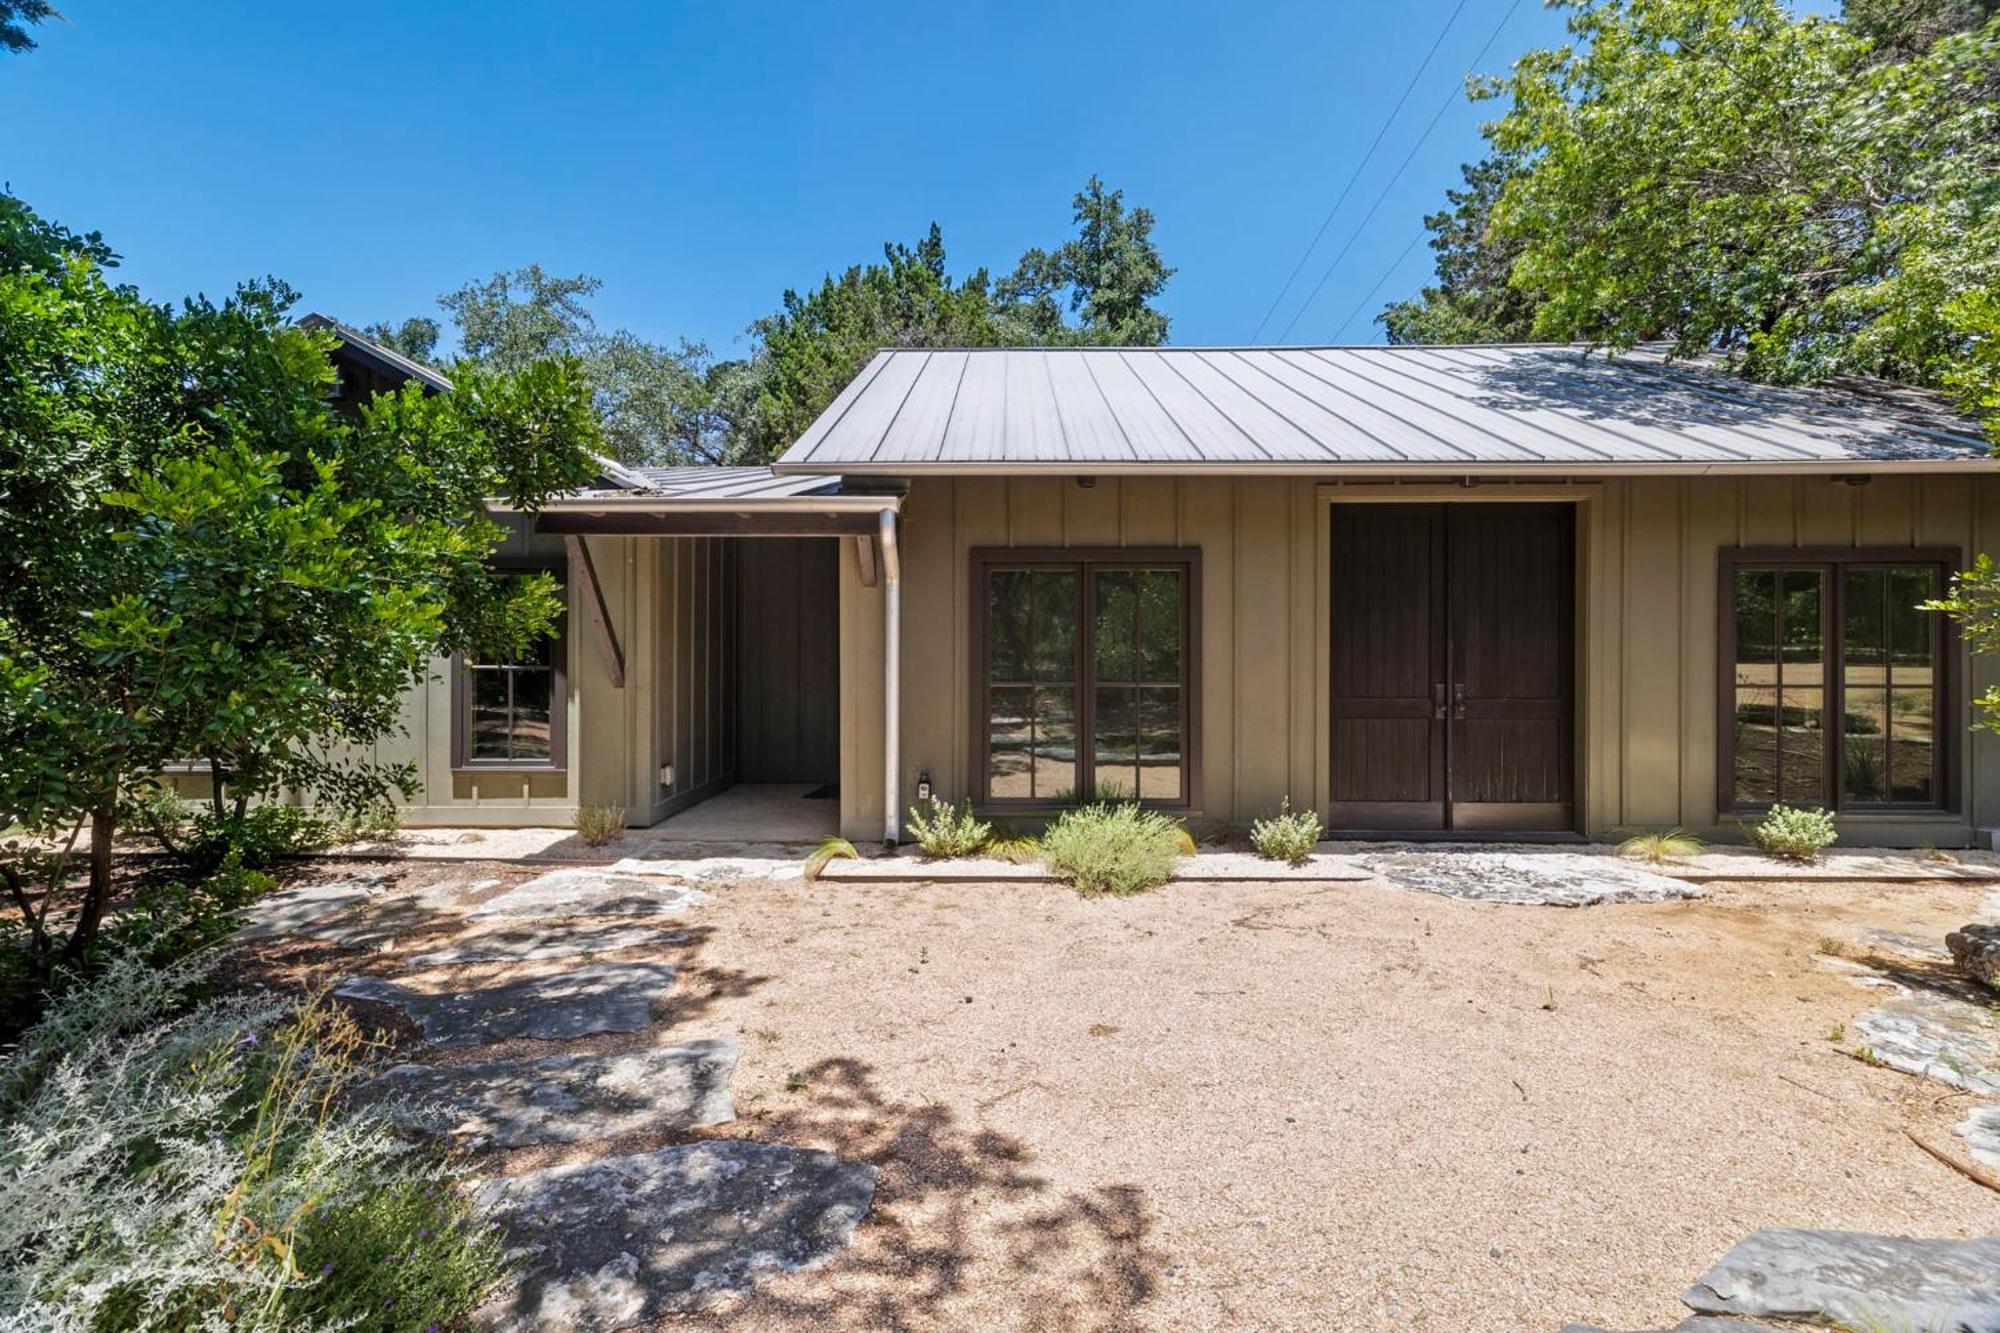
(666, 776)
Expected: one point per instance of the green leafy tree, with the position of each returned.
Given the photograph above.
(201, 558)
(1905, 29)
(416, 338)
(1473, 299)
(818, 341)
(15, 18)
(1108, 276)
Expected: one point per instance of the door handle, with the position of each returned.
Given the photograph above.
(1458, 699)
(1437, 700)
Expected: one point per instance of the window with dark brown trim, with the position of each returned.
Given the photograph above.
(513, 715)
(1086, 676)
(1836, 688)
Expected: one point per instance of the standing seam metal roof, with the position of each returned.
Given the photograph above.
(1304, 408)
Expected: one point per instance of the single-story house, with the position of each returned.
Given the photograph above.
(1470, 591)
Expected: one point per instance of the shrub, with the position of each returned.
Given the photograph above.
(1795, 834)
(260, 837)
(1112, 848)
(599, 824)
(1658, 848)
(1289, 836)
(204, 1171)
(948, 831)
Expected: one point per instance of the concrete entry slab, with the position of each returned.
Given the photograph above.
(604, 997)
(755, 812)
(609, 1244)
(571, 1098)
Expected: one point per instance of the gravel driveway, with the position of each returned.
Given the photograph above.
(1289, 1107)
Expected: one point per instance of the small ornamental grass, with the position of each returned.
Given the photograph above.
(946, 831)
(599, 824)
(1288, 836)
(1661, 847)
(1793, 834)
(829, 851)
(1115, 849)
(201, 1169)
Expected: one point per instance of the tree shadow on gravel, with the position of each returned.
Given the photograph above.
(953, 1198)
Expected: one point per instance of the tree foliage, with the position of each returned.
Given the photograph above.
(661, 404)
(1807, 196)
(201, 558)
(16, 16)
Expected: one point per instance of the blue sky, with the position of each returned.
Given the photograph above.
(702, 158)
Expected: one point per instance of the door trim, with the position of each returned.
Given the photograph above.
(1587, 531)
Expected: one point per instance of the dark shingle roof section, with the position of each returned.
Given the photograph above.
(1368, 408)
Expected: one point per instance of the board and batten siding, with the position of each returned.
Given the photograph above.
(1646, 625)
(668, 600)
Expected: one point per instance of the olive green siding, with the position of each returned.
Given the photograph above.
(1646, 632)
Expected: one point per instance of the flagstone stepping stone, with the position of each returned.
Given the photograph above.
(715, 869)
(589, 892)
(528, 944)
(305, 911)
(1526, 880)
(603, 997)
(569, 1098)
(1934, 1035)
(1976, 951)
(1856, 1280)
(612, 1243)
(1981, 1131)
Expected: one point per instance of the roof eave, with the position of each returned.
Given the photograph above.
(1402, 468)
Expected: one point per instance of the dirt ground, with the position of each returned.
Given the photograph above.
(1296, 1107)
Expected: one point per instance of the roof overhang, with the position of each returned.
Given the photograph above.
(1831, 468)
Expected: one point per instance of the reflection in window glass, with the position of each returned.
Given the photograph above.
(1131, 741)
(511, 705)
(1031, 639)
(1802, 689)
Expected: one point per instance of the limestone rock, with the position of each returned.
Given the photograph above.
(609, 1244)
(526, 944)
(1858, 1280)
(1981, 1131)
(571, 1098)
(1976, 951)
(604, 997)
(1524, 879)
(306, 910)
(1934, 1035)
(587, 892)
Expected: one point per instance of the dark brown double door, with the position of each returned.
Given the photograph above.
(1453, 664)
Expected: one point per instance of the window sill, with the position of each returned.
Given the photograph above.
(508, 768)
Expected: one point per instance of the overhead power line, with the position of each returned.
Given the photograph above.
(1450, 100)
(1359, 167)
(1362, 304)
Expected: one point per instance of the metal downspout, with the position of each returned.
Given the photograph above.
(892, 679)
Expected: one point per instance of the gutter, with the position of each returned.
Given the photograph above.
(892, 678)
(668, 504)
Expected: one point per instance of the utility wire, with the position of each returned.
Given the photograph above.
(1361, 166)
(1387, 273)
(1450, 101)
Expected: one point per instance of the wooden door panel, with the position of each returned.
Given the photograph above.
(1510, 750)
(1388, 621)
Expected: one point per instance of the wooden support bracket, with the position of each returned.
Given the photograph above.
(871, 564)
(583, 576)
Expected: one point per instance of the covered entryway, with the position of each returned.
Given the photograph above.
(1453, 667)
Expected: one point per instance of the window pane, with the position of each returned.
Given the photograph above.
(1117, 743)
(1756, 686)
(1007, 593)
(1117, 624)
(531, 712)
(1911, 762)
(1862, 602)
(1864, 738)
(1160, 625)
(1913, 632)
(489, 713)
(1055, 743)
(1054, 655)
(1801, 702)
(1160, 745)
(1010, 757)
